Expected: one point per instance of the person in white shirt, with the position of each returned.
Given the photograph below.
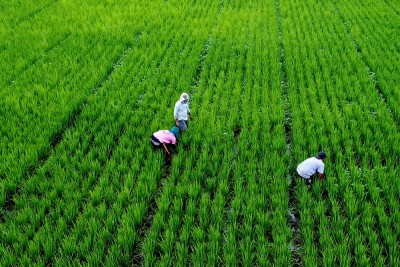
(181, 112)
(310, 166)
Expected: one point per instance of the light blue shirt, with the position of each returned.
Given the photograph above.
(181, 111)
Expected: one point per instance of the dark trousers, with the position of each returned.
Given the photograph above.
(155, 142)
(308, 181)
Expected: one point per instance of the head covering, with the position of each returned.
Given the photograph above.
(321, 155)
(175, 131)
(184, 97)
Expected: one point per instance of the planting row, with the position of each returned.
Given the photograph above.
(373, 25)
(229, 204)
(45, 99)
(99, 181)
(335, 107)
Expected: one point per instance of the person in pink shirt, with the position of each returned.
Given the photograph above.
(163, 138)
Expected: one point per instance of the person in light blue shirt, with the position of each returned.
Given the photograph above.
(182, 111)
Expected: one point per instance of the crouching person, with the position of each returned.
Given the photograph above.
(165, 138)
(311, 166)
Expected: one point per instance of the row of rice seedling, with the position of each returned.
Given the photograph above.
(196, 178)
(194, 226)
(162, 195)
(26, 36)
(90, 133)
(46, 98)
(47, 26)
(171, 234)
(130, 227)
(260, 202)
(69, 174)
(350, 125)
(11, 14)
(181, 184)
(137, 179)
(234, 42)
(372, 25)
(229, 49)
(393, 4)
(308, 201)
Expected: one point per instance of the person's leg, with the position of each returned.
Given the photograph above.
(182, 125)
(308, 180)
(308, 183)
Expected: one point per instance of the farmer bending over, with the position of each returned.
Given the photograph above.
(163, 138)
(181, 112)
(310, 166)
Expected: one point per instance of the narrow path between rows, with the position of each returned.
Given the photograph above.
(293, 211)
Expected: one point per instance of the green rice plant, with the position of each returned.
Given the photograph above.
(194, 192)
(166, 260)
(246, 252)
(182, 253)
(199, 249)
(315, 83)
(213, 246)
(167, 242)
(368, 43)
(360, 253)
(148, 246)
(230, 249)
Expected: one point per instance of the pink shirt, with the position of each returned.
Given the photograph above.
(165, 136)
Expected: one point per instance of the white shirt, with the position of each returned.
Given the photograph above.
(181, 111)
(309, 167)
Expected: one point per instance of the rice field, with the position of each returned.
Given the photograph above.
(84, 85)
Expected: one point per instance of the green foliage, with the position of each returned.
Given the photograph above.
(85, 84)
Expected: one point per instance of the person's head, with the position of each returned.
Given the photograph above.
(184, 98)
(321, 155)
(175, 131)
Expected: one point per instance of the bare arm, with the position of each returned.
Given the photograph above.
(190, 115)
(166, 149)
